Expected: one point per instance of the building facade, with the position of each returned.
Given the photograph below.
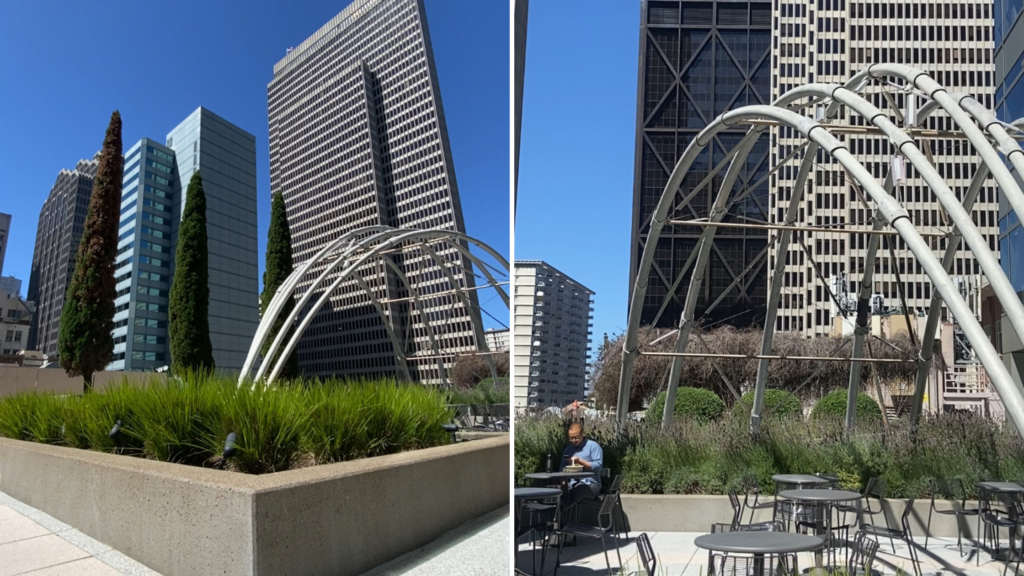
(58, 233)
(828, 41)
(153, 198)
(698, 59)
(358, 138)
(5, 231)
(551, 327)
(10, 285)
(1009, 97)
(498, 340)
(15, 321)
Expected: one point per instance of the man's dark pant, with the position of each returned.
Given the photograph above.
(582, 491)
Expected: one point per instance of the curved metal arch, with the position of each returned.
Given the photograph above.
(888, 208)
(358, 242)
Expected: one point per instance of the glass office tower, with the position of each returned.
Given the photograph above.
(697, 60)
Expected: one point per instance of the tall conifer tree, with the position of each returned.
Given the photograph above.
(189, 307)
(84, 344)
(278, 267)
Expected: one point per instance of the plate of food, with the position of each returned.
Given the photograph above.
(573, 468)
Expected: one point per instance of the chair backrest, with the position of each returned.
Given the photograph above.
(862, 556)
(647, 557)
(773, 526)
(948, 489)
(907, 509)
(875, 489)
(616, 484)
(607, 505)
(737, 510)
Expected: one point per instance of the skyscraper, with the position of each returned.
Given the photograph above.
(61, 222)
(520, 15)
(153, 198)
(5, 231)
(697, 60)
(829, 41)
(551, 323)
(358, 138)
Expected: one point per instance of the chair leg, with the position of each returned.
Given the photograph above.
(928, 527)
(558, 556)
(619, 555)
(606, 560)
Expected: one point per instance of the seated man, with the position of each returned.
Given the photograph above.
(587, 453)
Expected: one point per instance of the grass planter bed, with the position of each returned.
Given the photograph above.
(336, 519)
(329, 478)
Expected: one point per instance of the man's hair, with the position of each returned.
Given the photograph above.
(577, 427)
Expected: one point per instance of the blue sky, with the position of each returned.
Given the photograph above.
(577, 146)
(67, 65)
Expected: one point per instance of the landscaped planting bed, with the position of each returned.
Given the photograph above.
(710, 458)
(187, 420)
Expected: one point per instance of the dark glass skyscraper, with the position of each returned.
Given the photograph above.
(697, 60)
(358, 138)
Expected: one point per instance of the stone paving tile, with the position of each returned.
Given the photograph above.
(34, 553)
(19, 528)
(84, 567)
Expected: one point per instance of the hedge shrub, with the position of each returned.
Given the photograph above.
(833, 405)
(696, 403)
(776, 403)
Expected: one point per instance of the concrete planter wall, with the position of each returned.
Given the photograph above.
(335, 519)
(686, 513)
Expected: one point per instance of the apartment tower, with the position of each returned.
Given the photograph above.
(58, 233)
(551, 323)
(827, 41)
(153, 196)
(697, 60)
(358, 138)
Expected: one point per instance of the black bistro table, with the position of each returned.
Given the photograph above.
(758, 544)
(1004, 489)
(801, 479)
(559, 475)
(824, 498)
(527, 495)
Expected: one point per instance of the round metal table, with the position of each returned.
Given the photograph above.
(559, 475)
(998, 488)
(801, 479)
(758, 544)
(536, 493)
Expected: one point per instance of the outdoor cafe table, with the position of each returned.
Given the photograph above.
(528, 494)
(801, 479)
(819, 496)
(758, 544)
(559, 475)
(999, 488)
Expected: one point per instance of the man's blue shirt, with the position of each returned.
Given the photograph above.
(591, 452)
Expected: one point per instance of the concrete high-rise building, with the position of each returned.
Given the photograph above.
(520, 15)
(10, 285)
(155, 184)
(358, 138)
(61, 222)
(828, 41)
(498, 340)
(697, 60)
(1009, 90)
(551, 325)
(5, 231)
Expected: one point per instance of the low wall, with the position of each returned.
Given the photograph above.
(696, 513)
(17, 379)
(336, 519)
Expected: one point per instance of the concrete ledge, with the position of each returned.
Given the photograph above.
(336, 519)
(696, 513)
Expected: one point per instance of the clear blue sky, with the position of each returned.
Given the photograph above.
(67, 65)
(577, 147)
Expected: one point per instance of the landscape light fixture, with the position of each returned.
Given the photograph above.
(115, 430)
(451, 429)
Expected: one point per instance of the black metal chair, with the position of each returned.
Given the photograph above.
(950, 490)
(997, 511)
(864, 550)
(752, 488)
(648, 561)
(875, 489)
(903, 534)
(537, 518)
(605, 522)
(613, 487)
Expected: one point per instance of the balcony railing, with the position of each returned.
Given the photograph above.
(963, 380)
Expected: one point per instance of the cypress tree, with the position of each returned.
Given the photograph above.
(278, 267)
(189, 307)
(84, 344)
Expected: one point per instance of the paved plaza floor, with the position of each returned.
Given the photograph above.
(38, 544)
(678, 556)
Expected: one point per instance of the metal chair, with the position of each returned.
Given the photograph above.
(614, 487)
(999, 510)
(599, 531)
(752, 488)
(648, 560)
(540, 517)
(903, 534)
(875, 489)
(864, 550)
(951, 490)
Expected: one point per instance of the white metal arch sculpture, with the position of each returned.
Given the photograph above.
(888, 210)
(343, 257)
